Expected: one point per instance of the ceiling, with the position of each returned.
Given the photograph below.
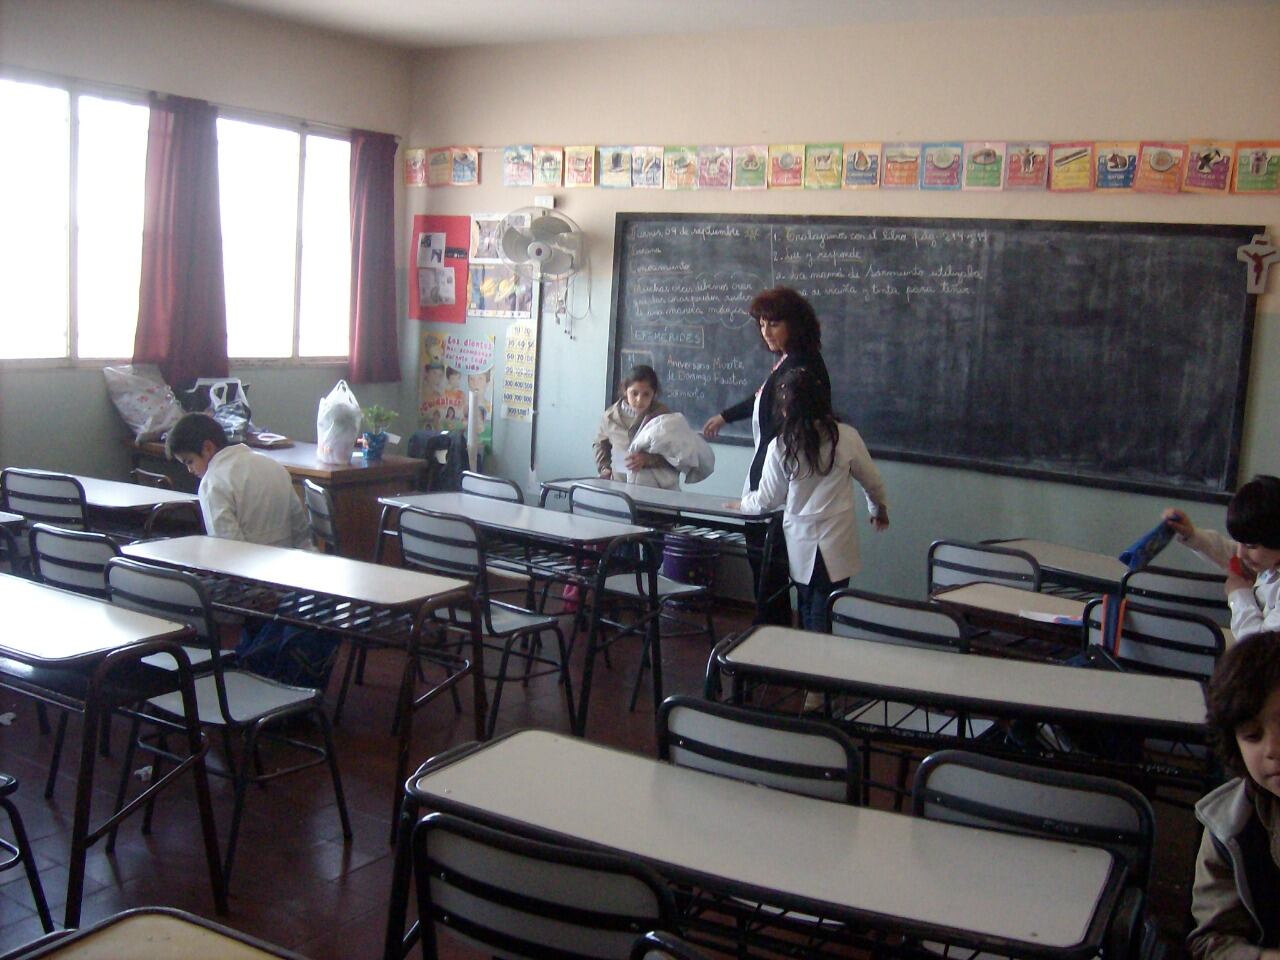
(422, 24)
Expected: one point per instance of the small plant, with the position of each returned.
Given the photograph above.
(377, 418)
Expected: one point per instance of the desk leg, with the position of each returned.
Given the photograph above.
(84, 801)
(589, 658)
(654, 630)
(197, 748)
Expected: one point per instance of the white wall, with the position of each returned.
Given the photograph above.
(59, 416)
(1174, 74)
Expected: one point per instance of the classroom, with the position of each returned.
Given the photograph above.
(952, 70)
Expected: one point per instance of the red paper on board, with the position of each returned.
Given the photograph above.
(457, 238)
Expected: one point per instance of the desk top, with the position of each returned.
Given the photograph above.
(998, 598)
(298, 570)
(53, 627)
(1056, 557)
(536, 522)
(1046, 690)
(851, 860)
(301, 461)
(116, 495)
(158, 934)
(8, 519)
(665, 501)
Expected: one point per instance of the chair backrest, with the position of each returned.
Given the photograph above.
(953, 564)
(521, 899)
(442, 543)
(908, 623)
(148, 478)
(71, 559)
(657, 945)
(602, 504)
(498, 488)
(1183, 590)
(787, 753)
(982, 791)
(1156, 639)
(161, 592)
(319, 504)
(44, 497)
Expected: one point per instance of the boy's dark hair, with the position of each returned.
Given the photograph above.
(642, 373)
(804, 335)
(189, 434)
(1253, 515)
(1244, 678)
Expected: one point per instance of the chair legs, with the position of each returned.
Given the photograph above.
(531, 654)
(21, 852)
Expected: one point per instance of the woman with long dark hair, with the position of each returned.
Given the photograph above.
(789, 328)
(808, 469)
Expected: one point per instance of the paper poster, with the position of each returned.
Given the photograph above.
(983, 165)
(485, 236)
(1027, 166)
(439, 166)
(452, 367)
(496, 291)
(715, 168)
(1115, 163)
(822, 163)
(517, 165)
(940, 169)
(520, 368)
(786, 166)
(438, 273)
(1208, 167)
(861, 166)
(1071, 166)
(547, 165)
(580, 166)
(1257, 167)
(646, 168)
(901, 166)
(1160, 167)
(680, 168)
(615, 167)
(415, 167)
(750, 167)
(466, 167)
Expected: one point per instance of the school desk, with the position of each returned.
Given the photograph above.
(366, 602)
(873, 871)
(354, 486)
(86, 655)
(1053, 621)
(132, 507)
(1072, 567)
(1145, 705)
(560, 545)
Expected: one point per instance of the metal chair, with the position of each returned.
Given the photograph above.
(506, 560)
(1155, 639)
(657, 945)
(234, 701)
(953, 563)
(1184, 591)
(453, 546)
(632, 588)
(980, 791)
(522, 899)
(19, 851)
(499, 488)
(320, 513)
(148, 478)
(44, 497)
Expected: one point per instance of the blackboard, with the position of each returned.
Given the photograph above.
(1107, 354)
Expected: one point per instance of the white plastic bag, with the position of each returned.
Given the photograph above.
(145, 402)
(337, 425)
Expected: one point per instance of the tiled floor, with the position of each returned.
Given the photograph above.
(295, 882)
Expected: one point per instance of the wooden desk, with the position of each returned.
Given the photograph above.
(355, 487)
(571, 536)
(366, 601)
(1056, 620)
(1072, 567)
(87, 655)
(872, 870)
(158, 933)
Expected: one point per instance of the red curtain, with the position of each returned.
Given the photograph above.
(182, 311)
(375, 355)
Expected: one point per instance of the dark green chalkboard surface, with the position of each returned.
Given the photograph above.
(1108, 354)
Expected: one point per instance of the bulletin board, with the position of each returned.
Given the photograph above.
(438, 268)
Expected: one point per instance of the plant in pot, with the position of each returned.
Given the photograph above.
(376, 420)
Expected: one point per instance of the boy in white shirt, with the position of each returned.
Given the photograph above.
(1251, 558)
(243, 494)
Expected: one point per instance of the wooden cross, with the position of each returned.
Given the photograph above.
(1259, 255)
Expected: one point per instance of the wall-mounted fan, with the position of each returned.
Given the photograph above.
(541, 243)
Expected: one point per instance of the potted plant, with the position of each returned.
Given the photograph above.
(376, 420)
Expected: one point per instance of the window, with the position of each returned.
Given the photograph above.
(72, 180)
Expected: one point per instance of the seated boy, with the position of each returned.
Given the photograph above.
(244, 495)
(1236, 896)
(1253, 585)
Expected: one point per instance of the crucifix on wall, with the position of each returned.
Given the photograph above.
(1259, 255)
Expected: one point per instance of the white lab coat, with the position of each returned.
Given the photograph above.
(687, 452)
(819, 510)
(247, 496)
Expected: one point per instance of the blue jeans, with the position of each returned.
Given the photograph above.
(813, 596)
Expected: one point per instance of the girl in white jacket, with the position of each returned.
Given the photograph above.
(808, 469)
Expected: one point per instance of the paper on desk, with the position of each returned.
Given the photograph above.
(1040, 616)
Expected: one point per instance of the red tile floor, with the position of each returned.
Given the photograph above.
(296, 883)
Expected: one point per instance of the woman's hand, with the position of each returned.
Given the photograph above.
(881, 520)
(606, 474)
(639, 461)
(1180, 522)
(711, 429)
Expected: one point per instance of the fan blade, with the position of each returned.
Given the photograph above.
(558, 264)
(515, 245)
(547, 227)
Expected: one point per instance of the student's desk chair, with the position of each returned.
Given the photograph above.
(1185, 591)
(18, 851)
(44, 497)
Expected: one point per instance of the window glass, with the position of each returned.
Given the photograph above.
(325, 291)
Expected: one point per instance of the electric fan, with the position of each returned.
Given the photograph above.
(541, 243)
